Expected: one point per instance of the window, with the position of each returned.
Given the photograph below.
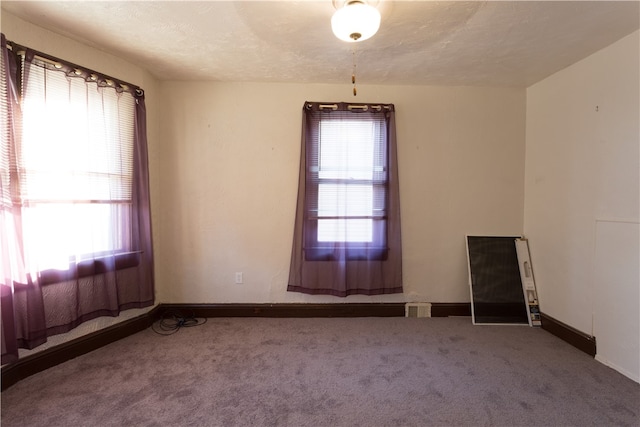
(347, 237)
(75, 169)
(75, 226)
(347, 187)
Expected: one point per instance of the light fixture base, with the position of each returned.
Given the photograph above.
(355, 20)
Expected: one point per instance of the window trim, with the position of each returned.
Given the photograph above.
(89, 264)
(315, 250)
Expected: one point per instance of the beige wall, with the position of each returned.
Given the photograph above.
(582, 198)
(224, 159)
(229, 162)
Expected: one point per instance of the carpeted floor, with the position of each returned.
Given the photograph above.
(329, 372)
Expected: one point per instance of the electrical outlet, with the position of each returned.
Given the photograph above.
(238, 277)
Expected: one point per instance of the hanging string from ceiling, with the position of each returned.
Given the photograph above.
(353, 73)
(353, 22)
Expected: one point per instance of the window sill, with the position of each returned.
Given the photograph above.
(348, 254)
(90, 268)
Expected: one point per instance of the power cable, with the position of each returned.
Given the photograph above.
(173, 320)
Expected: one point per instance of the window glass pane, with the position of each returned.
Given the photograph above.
(77, 139)
(345, 200)
(351, 164)
(345, 230)
(76, 168)
(346, 149)
(347, 187)
(59, 233)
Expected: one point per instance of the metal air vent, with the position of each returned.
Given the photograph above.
(417, 309)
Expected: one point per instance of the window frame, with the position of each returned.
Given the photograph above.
(123, 255)
(377, 248)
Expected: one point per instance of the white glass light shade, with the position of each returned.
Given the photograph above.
(355, 21)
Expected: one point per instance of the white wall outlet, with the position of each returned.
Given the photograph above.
(238, 277)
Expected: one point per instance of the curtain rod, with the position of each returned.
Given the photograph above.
(78, 69)
(363, 107)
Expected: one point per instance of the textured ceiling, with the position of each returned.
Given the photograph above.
(495, 43)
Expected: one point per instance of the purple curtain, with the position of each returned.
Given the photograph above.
(349, 265)
(40, 299)
(9, 212)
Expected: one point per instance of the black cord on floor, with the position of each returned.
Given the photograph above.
(172, 321)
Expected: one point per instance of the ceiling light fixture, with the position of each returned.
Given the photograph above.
(355, 21)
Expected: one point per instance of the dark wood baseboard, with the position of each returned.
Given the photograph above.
(580, 340)
(446, 309)
(38, 362)
(310, 310)
(27, 366)
(286, 310)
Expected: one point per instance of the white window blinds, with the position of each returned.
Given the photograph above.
(77, 140)
(347, 182)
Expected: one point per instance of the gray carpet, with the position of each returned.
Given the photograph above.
(329, 372)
